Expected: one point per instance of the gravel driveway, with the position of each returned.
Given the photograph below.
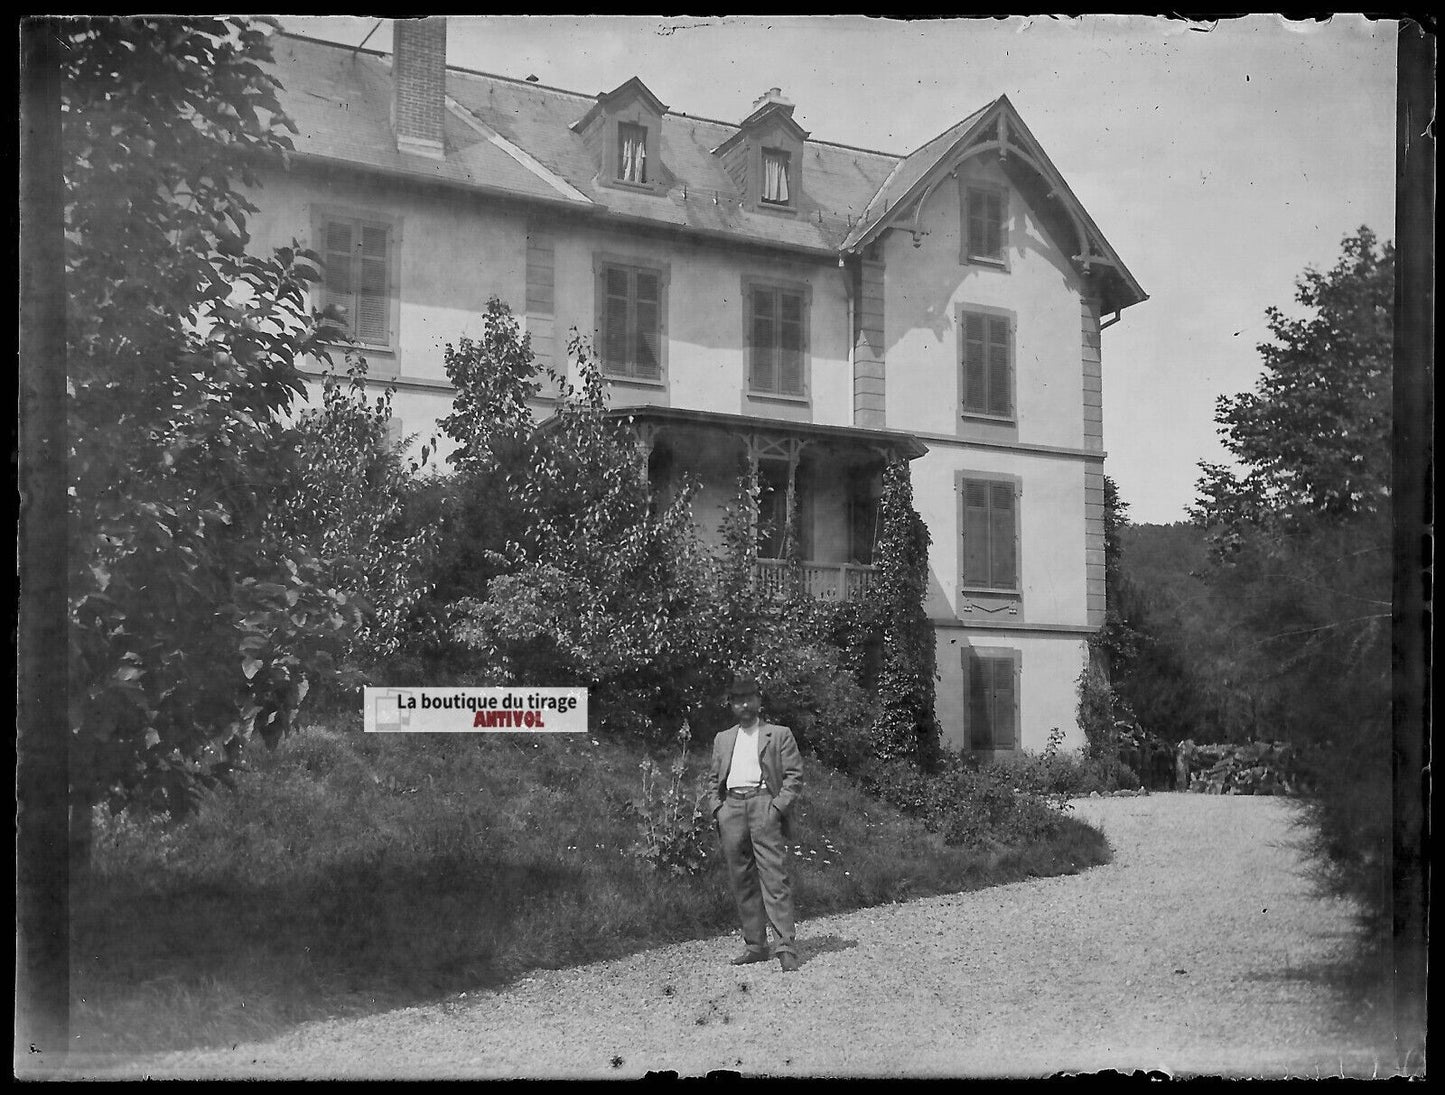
(1194, 952)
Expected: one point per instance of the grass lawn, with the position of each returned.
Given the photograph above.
(350, 873)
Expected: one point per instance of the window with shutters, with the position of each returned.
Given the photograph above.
(986, 363)
(991, 679)
(631, 320)
(989, 531)
(776, 339)
(985, 225)
(359, 256)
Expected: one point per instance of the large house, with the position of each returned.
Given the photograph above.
(753, 292)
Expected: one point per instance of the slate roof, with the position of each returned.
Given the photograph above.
(908, 171)
(340, 99)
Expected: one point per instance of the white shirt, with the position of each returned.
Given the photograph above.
(745, 771)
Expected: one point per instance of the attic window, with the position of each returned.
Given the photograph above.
(632, 153)
(775, 177)
(985, 224)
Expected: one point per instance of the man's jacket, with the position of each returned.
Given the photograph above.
(780, 761)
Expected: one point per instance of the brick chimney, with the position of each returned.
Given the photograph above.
(419, 85)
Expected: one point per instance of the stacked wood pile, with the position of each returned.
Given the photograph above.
(1250, 768)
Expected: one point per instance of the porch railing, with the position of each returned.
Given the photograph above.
(821, 581)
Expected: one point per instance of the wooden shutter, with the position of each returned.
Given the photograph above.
(373, 305)
(987, 364)
(357, 258)
(614, 319)
(989, 541)
(975, 533)
(1000, 366)
(991, 709)
(975, 362)
(790, 343)
(1002, 537)
(647, 319)
(336, 286)
(979, 710)
(764, 341)
(1004, 702)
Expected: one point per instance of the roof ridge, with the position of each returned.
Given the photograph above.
(584, 96)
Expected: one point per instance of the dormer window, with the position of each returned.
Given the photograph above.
(764, 157)
(775, 177)
(623, 132)
(632, 154)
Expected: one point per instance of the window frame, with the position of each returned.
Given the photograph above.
(387, 363)
(967, 252)
(788, 172)
(990, 479)
(772, 137)
(622, 131)
(990, 315)
(609, 156)
(995, 655)
(603, 262)
(752, 284)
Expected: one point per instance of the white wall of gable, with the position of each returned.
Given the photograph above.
(926, 285)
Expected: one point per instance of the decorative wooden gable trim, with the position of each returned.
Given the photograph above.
(1001, 132)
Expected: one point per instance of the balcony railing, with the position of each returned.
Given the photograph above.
(821, 581)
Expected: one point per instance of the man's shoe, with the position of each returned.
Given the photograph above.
(750, 956)
(789, 961)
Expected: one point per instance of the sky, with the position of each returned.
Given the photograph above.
(1220, 159)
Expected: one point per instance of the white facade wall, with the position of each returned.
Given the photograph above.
(925, 287)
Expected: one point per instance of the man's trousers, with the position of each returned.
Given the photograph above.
(751, 832)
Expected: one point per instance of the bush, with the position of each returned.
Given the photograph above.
(970, 804)
(1055, 772)
(827, 711)
(990, 808)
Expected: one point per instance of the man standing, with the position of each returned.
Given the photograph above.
(757, 774)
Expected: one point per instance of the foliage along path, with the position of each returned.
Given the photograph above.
(1200, 951)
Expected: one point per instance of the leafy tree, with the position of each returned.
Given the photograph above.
(1313, 438)
(189, 623)
(560, 567)
(347, 500)
(1302, 541)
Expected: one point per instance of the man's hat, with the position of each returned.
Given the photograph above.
(744, 686)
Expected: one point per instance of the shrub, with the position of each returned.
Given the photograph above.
(970, 804)
(990, 808)
(827, 711)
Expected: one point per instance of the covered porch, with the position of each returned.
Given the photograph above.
(819, 489)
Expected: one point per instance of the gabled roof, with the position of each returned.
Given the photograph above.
(521, 139)
(997, 127)
(621, 95)
(772, 112)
